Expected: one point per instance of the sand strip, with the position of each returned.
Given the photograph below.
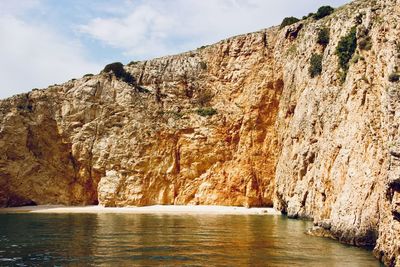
(156, 209)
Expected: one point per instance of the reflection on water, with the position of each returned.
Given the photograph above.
(143, 240)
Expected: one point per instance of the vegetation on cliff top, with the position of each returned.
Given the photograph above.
(323, 11)
(288, 21)
(117, 68)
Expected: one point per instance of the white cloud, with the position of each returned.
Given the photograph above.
(17, 7)
(36, 56)
(157, 27)
(145, 29)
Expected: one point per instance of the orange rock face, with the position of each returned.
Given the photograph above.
(196, 128)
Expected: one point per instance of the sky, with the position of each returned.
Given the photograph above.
(44, 42)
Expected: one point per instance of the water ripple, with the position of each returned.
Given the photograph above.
(145, 240)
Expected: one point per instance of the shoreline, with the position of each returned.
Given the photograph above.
(155, 209)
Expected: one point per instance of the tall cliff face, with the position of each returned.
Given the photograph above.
(154, 142)
(239, 122)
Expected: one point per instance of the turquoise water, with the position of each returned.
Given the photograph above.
(168, 240)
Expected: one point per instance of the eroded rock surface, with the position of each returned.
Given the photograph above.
(239, 122)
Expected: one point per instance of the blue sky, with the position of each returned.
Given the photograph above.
(51, 41)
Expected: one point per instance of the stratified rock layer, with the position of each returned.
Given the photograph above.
(312, 147)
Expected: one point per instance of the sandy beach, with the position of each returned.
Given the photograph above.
(156, 209)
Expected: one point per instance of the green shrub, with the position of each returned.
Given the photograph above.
(118, 70)
(394, 77)
(204, 112)
(345, 50)
(315, 68)
(323, 37)
(323, 11)
(288, 21)
(87, 75)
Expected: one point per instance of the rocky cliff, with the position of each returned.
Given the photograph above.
(240, 122)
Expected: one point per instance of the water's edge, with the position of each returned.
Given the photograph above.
(155, 209)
